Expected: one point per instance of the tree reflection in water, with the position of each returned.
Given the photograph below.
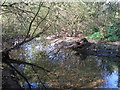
(72, 69)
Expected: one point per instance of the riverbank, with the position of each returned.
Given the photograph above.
(57, 40)
(93, 47)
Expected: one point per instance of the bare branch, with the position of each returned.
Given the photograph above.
(23, 62)
(41, 22)
(23, 42)
(11, 5)
(4, 2)
(20, 75)
(40, 5)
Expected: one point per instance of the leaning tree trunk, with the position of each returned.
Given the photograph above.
(9, 79)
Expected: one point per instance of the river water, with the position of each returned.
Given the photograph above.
(72, 69)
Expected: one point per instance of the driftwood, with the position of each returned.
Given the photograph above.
(82, 44)
(85, 47)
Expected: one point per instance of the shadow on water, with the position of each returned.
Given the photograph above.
(74, 70)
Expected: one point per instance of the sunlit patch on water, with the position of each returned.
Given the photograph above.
(111, 81)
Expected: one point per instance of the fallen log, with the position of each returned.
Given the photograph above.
(85, 47)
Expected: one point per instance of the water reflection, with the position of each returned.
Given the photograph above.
(73, 69)
(111, 81)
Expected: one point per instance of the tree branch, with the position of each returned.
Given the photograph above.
(40, 5)
(23, 42)
(40, 22)
(20, 75)
(23, 62)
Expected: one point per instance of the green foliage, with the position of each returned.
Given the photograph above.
(113, 33)
(89, 18)
(96, 35)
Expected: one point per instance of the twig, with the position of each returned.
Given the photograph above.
(20, 75)
(23, 42)
(40, 5)
(4, 2)
(11, 5)
(40, 22)
(23, 62)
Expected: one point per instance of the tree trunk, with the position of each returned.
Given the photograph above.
(9, 79)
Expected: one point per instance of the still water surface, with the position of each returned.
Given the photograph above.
(73, 71)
